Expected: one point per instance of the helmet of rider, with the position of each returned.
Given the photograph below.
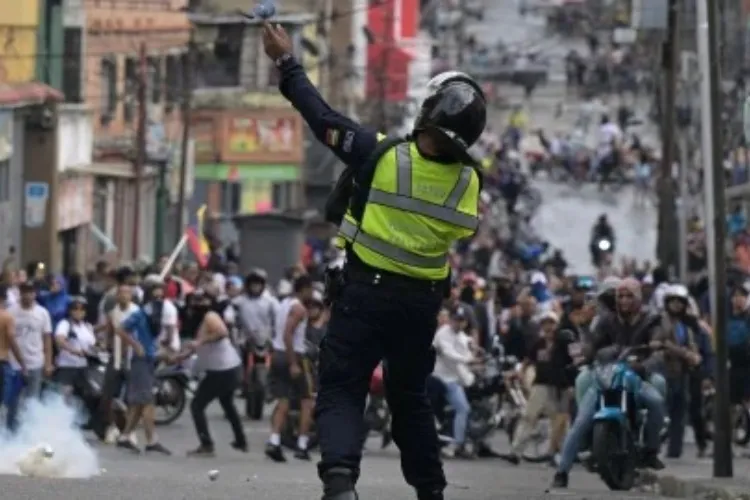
(454, 113)
(255, 281)
(676, 293)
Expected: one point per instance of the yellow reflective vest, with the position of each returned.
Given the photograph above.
(416, 209)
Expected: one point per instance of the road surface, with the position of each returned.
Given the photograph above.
(567, 214)
(252, 476)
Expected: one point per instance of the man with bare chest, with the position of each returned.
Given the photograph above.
(7, 340)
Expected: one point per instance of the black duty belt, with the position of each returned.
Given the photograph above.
(395, 281)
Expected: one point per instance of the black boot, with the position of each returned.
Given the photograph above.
(430, 495)
(338, 484)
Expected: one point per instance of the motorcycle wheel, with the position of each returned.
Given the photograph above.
(615, 465)
(741, 427)
(255, 399)
(171, 399)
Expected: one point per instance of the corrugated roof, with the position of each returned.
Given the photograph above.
(28, 93)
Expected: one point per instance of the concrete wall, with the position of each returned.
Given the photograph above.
(11, 212)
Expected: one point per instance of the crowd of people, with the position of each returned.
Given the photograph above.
(210, 321)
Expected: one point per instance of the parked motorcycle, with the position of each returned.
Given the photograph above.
(377, 414)
(170, 391)
(91, 393)
(740, 419)
(618, 445)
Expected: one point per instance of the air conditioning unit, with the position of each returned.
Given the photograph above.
(42, 116)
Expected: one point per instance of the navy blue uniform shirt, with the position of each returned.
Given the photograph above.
(350, 141)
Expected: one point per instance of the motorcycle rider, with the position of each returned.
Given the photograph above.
(631, 326)
(452, 369)
(681, 358)
(256, 309)
(602, 230)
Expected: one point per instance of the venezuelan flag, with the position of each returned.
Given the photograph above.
(197, 242)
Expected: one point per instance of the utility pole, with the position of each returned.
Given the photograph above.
(710, 70)
(667, 238)
(141, 155)
(187, 111)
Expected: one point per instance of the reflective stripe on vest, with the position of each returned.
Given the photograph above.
(403, 200)
(349, 230)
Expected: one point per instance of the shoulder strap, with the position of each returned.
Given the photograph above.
(366, 172)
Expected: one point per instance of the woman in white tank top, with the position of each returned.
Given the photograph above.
(219, 359)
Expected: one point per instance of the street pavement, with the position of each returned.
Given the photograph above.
(567, 214)
(144, 477)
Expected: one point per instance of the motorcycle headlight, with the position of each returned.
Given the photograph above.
(604, 245)
(605, 375)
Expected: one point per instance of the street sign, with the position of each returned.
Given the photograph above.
(36, 195)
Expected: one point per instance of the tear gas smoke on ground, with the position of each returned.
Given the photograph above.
(48, 443)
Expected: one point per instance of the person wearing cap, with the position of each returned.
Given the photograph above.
(452, 346)
(400, 205)
(33, 329)
(550, 391)
(75, 339)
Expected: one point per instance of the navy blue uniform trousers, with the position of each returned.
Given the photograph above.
(370, 323)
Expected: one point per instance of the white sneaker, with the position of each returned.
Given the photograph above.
(112, 434)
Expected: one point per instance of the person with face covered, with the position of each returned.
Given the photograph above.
(682, 359)
(218, 359)
(630, 326)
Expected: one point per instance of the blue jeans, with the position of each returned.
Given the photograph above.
(18, 389)
(456, 397)
(587, 406)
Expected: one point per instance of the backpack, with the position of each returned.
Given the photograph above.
(353, 185)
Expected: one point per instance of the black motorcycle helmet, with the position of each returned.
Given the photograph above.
(455, 109)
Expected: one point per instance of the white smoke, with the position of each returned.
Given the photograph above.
(48, 443)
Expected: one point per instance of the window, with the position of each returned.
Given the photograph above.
(72, 65)
(5, 180)
(173, 81)
(220, 66)
(108, 105)
(231, 197)
(155, 78)
(131, 90)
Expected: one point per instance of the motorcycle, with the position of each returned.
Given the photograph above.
(617, 444)
(171, 389)
(377, 414)
(91, 393)
(484, 398)
(602, 249)
(740, 419)
(257, 362)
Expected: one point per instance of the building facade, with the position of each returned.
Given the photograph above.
(132, 44)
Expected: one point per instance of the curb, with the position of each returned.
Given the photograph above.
(672, 486)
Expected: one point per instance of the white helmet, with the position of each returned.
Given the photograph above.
(677, 291)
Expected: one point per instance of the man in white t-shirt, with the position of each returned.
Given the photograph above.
(34, 339)
(452, 369)
(114, 377)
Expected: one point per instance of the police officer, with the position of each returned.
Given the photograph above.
(423, 196)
